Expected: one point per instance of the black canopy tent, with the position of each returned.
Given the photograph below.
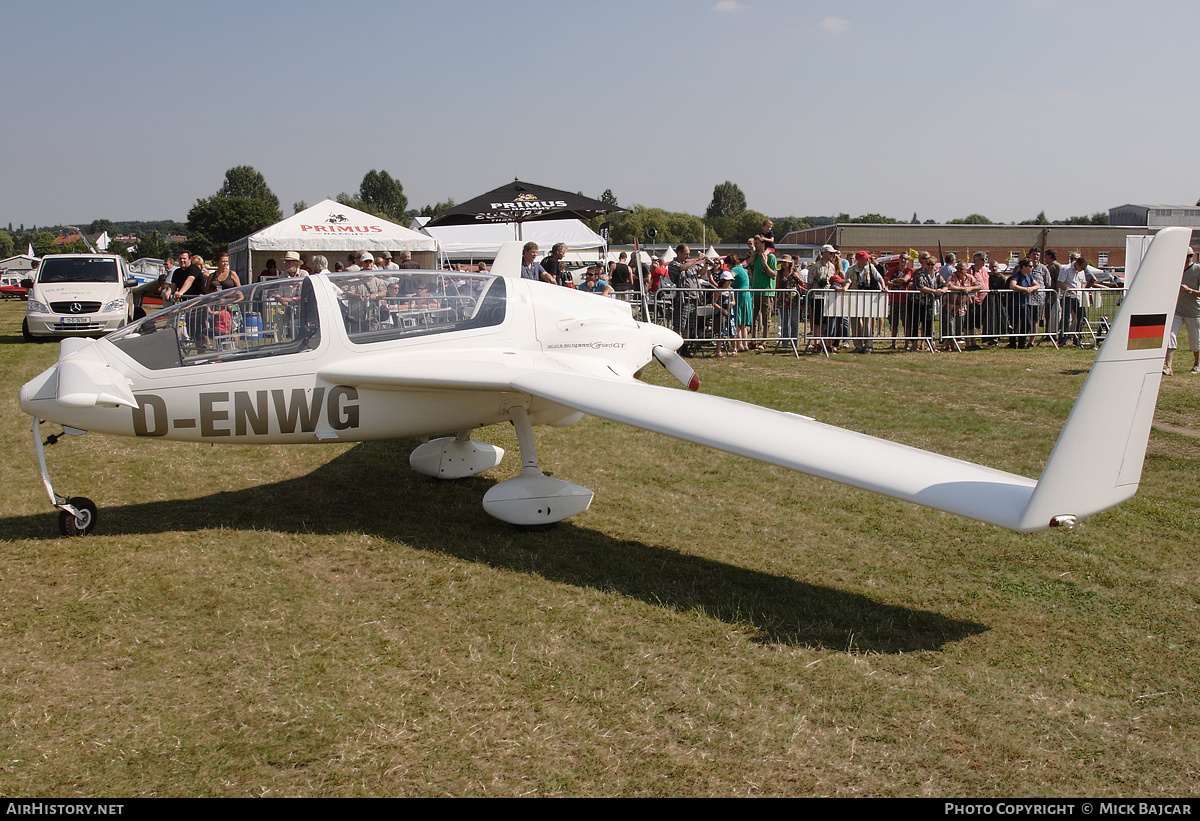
(519, 202)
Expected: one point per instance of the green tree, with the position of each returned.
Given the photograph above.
(609, 198)
(215, 222)
(727, 201)
(671, 226)
(243, 182)
(151, 245)
(98, 226)
(115, 247)
(7, 244)
(971, 219)
(43, 243)
(298, 206)
(379, 194)
(1098, 218)
(736, 228)
(1040, 219)
(437, 208)
(786, 225)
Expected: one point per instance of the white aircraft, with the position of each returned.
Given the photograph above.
(344, 358)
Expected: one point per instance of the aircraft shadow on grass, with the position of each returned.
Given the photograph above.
(371, 489)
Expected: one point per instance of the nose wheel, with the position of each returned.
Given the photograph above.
(77, 516)
(82, 521)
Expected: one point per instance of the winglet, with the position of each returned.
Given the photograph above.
(1097, 461)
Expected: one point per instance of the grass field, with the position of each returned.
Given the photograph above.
(319, 620)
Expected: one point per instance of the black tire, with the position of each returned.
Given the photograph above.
(68, 525)
(25, 331)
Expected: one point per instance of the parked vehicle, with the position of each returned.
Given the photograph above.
(11, 288)
(78, 295)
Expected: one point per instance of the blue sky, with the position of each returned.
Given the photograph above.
(133, 110)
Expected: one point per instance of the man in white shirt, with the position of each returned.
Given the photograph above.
(1187, 310)
(1072, 279)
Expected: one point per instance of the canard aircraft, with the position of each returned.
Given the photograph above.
(345, 358)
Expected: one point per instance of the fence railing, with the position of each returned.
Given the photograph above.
(825, 319)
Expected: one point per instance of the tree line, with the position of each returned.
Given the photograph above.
(244, 204)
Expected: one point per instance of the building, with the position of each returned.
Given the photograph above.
(1155, 216)
(1102, 245)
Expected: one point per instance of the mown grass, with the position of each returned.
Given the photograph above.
(322, 621)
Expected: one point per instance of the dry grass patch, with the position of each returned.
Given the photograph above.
(322, 621)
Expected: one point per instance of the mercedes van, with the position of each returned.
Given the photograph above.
(78, 295)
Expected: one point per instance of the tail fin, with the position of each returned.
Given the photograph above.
(1097, 461)
(508, 260)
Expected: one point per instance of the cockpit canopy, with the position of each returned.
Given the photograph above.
(279, 317)
(392, 304)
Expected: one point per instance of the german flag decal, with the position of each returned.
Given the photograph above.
(1146, 331)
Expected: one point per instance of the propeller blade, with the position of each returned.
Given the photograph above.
(679, 369)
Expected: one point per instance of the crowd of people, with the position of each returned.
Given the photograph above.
(749, 300)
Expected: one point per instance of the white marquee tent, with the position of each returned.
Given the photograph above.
(331, 229)
(472, 243)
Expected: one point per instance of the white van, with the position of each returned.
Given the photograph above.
(79, 295)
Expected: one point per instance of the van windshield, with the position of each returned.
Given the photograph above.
(78, 269)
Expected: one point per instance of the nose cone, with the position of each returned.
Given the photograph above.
(661, 337)
(37, 392)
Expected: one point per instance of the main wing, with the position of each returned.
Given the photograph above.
(795, 442)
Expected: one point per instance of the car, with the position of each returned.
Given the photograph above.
(11, 287)
(78, 295)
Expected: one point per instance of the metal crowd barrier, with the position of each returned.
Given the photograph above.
(825, 319)
(1086, 314)
(706, 315)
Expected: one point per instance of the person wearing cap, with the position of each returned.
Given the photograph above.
(899, 298)
(1187, 311)
(385, 261)
(723, 305)
(366, 261)
(291, 264)
(787, 298)
(819, 274)
(928, 285)
(863, 276)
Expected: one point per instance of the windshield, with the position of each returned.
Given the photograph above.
(393, 304)
(264, 319)
(78, 269)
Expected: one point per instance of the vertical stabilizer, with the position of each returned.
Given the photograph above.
(1097, 461)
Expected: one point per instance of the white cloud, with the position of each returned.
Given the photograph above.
(730, 6)
(835, 25)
